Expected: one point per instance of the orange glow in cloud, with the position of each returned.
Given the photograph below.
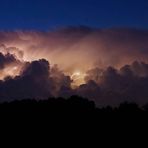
(10, 71)
(78, 78)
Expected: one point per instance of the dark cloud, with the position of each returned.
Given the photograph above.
(113, 86)
(61, 83)
(32, 83)
(104, 86)
(10, 65)
(36, 80)
(90, 90)
(6, 60)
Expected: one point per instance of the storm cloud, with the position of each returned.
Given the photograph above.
(104, 86)
(9, 65)
(75, 48)
(36, 80)
(111, 62)
(114, 86)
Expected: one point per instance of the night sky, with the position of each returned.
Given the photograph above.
(46, 14)
(97, 49)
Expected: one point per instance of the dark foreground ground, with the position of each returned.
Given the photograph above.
(71, 118)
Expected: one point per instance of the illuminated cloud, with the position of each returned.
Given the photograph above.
(81, 48)
(9, 65)
(95, 63)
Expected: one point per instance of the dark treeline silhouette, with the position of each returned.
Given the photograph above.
(74, 114)
(75, 105)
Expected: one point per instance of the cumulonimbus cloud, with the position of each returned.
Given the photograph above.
(80, 48)
(105, 57)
